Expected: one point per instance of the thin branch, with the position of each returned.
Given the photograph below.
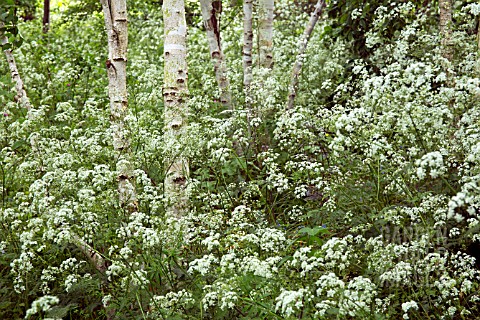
(297, 68)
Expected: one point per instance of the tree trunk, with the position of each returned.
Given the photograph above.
(478, 35)
(94, 256)
(478, 45)
(175, 93)
(46, 15)
(265, 23)
(115, 14)
(21, 96)
(297, 68)
(96, 259)
(247, 43)
(211, 10)
(446, 28)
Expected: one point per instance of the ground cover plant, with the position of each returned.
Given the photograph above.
(361, 200)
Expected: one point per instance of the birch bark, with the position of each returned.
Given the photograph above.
(211, 10)
(247, 44)
(446, 28)
(115, 14)
(94, 256)
(297, 68)
(265, 24)
(175, 94)
(21, 96)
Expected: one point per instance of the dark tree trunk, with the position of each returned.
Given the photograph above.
(46, 15)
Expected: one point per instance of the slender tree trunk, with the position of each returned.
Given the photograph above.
(94, 256)
(175, 93)
(478, 45)
(478, 35)
(446, 28)
(115, 13)
(46, 15)
(297, 68)
(247, 43)
(96, 259)
(211, 10)
(247, 61)
(21, 96)
(265, 23)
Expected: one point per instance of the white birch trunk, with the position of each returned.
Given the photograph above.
(446, 28)
(247, 44)
(297, 68)
(211, 10)
(175, 93)
(265, 27)
(94, 256)
(115, 14)
(21, 96)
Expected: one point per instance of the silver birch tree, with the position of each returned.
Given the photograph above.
(115, 14)
(175, 93)
(446, 28)
(247, 44)
(265, 32)
(211, 10)
(297, 67)
(21, 96)
(478, 46)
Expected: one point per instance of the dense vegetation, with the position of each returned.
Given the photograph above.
(361, 202)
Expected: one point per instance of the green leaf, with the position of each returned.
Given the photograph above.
(18, 42)
(285, 259)
(60, 312)
(309, 231)
(314, 231)
(18, 144)
(7, 46)
(333, 311)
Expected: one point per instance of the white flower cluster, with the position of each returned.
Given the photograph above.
(172, 301)
(303, 260)
(271, 240)
(203, 265)
(220, 293)
(275, 178)
(353, 299)
(41, 304)
(290, 301)
(432, 162)
(337, 253)
(406, 306)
